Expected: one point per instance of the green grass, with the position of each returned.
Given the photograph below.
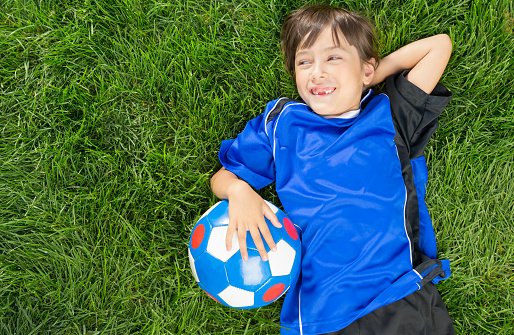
(111, 115)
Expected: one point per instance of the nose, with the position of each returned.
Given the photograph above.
(318, 71)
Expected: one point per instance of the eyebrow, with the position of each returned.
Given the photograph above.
(325, 50)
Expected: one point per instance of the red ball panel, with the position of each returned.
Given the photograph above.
(273, 292)
(197, 238)
(290, 229)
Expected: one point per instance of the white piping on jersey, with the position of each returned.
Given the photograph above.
(276, 123)
(274, 145)
(419, 286)
(404, 213)
(298, 227)
(365, 97)
(404, 204)
(299, 311)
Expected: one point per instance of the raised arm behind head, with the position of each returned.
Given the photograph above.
(426, 59)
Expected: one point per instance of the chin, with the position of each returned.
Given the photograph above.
(322, 110)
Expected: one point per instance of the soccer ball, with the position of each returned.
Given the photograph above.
(223, 274)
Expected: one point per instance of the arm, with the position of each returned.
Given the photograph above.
(247, 210)
(426, 59)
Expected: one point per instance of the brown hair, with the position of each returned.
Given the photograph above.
(311, 20)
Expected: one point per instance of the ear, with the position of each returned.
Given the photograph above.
(369, 71)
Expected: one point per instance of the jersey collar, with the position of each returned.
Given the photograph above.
(354, 113)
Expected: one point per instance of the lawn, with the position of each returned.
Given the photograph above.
(111, 116)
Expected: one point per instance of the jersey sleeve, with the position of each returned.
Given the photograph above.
(250, 155)
(414, 111)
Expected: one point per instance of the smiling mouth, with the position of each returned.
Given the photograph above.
(322, 91)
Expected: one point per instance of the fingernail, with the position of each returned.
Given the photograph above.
(245, 258)
(265, 258)
(229, 248)
(274, 249)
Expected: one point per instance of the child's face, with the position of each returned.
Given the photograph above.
(330, 78)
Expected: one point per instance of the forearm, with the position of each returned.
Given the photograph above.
(426, 58)
(224, 183)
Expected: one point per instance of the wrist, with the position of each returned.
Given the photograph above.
(236, 187)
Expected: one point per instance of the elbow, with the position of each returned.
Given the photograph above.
(445, 44)
(215, 177)
(442, 49)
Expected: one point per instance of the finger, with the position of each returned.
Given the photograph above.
(241, 235)
(267, 236)
(272, 217)
(230, 234)
(256, 235)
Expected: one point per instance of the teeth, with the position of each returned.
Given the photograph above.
(324, 92)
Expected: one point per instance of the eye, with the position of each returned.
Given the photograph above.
(302, 62)
(334, 58)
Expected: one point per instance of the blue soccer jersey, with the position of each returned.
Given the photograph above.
(354, 188)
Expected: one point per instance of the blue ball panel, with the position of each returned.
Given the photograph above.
(201, 248)
(218, 216)
(211, 273)
(280, 215)
(215, 296)
(276, 233)
(249, 275)
(295, 270)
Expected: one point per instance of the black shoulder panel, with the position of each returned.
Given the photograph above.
(277, 109)
(415, 112)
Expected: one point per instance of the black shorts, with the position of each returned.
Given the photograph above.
(421, 313)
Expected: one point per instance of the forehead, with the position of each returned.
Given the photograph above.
(326, 38)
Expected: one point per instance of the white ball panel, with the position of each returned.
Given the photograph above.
(217, 247)
(281, 261)
(237, 297)
(192, 264)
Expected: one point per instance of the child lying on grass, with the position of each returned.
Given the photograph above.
(349, 170)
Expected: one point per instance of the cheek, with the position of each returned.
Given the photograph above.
(297, 77)
(300, 83)
(301, 92)
(301, 77)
